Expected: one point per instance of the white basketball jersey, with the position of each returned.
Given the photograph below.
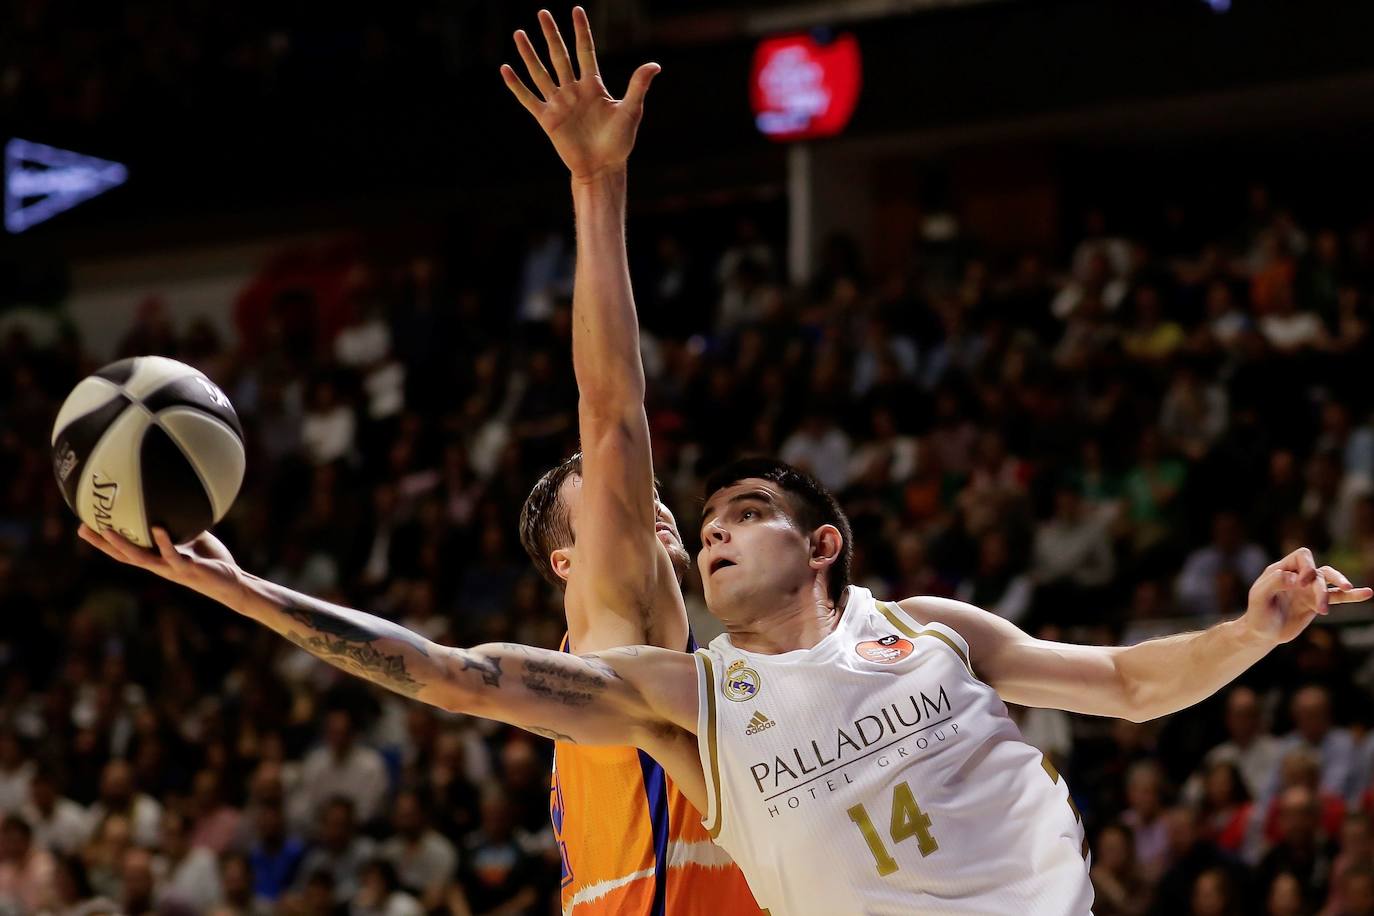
(875, 774)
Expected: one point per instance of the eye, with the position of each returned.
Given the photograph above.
(747, 514)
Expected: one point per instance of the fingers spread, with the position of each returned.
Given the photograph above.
(99, 543)
(558, 51)
(542, 81)
(1331, 574)
(129, 552)
(586, 50)
(166, 548)
(521, 92)
(639, 84)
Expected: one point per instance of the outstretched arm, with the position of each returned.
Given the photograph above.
(627, 582)
(1153, 678)
(616, 699)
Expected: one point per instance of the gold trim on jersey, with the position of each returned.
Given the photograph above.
(714, 775)
(906, 630)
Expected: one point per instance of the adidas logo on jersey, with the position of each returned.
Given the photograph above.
(758, 723)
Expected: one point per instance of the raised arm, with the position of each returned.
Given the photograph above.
(1153, 678)
(635, 696)
(627, 585)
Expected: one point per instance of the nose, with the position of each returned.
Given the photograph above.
(717, 534)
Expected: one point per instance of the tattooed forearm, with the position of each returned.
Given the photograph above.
(361, 659)
(346, 624)
(361, 644)
(486, 665)
(557, 681)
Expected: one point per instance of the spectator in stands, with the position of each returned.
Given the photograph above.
(380, 893)
(1285, 896)
(425, 861)
(1314, 730)
(1300, 768)
(317, 898)
(338, 850)
(137, 883)
(58, 823)
(26, 871)
(1357, 892)
(275, 855)
(498, 874)
(821, 447)
(343, 767)
(1289, 330)
(119, 796)
(189, 874)
(72, 891)
(1356, 856)
(1300, 850)
(1214, 894)
(1191, 854)
(1118, 886)
(1153, 338)
(238, 882)
(1144, 815)
(1227, 814)
(216, 824)
(104, 856)
(1073, 554)
(329, 425)
(16, 771)
(1228, 551)
(1254, 752)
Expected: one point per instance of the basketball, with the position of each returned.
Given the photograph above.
(148, 442)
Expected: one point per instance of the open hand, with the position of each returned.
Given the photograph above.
(204, 564)
(591, 131)
(1290, 594)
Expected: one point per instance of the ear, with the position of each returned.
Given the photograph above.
(561, 561)
(826, 544)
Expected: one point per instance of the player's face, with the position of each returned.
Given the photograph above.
(753, 555)
(665, 528)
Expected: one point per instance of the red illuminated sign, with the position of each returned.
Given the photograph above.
(803, 88)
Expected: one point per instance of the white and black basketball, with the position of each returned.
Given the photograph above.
(148, 442)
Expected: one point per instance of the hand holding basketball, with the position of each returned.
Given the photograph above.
(591, 131)
(204, 565)
(1292, 592)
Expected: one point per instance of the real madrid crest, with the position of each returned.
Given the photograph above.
(741, 682)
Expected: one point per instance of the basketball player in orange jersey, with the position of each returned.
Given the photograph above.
(630, 842)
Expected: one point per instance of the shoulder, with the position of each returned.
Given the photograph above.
(665, 679)
(971, 622)
(987, 636)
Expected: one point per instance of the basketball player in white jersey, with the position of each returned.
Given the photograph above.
(852, 755)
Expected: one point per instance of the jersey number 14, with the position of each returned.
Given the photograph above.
(908, 820)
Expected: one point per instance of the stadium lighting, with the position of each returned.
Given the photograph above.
(42, 181)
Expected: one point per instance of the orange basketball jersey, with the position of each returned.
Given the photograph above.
(632, 845)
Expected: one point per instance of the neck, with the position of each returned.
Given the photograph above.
(800, 623)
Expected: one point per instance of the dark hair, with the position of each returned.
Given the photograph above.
(76, 871)
(339, 801)
(15, 822)
(812, 505)
(544, 522)
(386, 871)
(234, 857)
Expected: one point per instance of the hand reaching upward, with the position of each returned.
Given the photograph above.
(591, 131)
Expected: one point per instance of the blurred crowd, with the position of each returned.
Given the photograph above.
(1100, 446)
